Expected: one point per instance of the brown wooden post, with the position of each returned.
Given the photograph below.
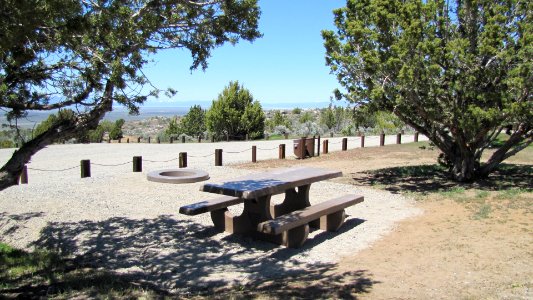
(24, 175)
(362, 141)
(158, 140)
(301, 145)
(149, 138)
(398, 138)
(213, 138)
(183, 139)
(318, 146)
(382, 139)
(183, 160)
(85, 166)
(416, 137)
(199, 139)
(119, 140)
(137, 164)
(128, 140)
(286, 135)
(281, 151)
(109, 141)
(325, 145)
(218, 157)
(138, 140)
(171, 140)
(344, 144)
(254, 154)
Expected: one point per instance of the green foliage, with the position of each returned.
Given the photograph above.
(235, 114)
(116, 131)
(348, 130)
(89, 55)
(306, 117)
(253, 120)
(7, 144)
(387, 122)
(278, 119)
(457, 71)
(327, 117)
(364, 117)
(53, 119)
(296, 111)
(193, 123)
(173, 127)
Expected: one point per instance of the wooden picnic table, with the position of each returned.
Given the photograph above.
(285, 223)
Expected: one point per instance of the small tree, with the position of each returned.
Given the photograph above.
(306, 117)
(235, 114)
(173, 127)
(193, 123)
(116, 131)
(278, 120)
(327, 117)
(457, 71)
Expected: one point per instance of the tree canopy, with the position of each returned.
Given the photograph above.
(236, 114)
(457, 71)
(89, 55)
(193, 123)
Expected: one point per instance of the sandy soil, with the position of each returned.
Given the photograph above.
(449, 251)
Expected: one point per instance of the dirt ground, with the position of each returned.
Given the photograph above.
(472, 242)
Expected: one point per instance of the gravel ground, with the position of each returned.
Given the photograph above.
(120, 221)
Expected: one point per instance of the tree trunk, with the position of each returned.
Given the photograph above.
(10, 172)
(465, 168)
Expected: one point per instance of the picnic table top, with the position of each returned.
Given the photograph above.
(269, 183)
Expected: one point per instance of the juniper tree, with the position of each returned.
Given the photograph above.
(88, 55)
(457, 71)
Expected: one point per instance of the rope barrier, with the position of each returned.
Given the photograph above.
(160, 161)
(173, 159)
(115, 165)
(42, 170)
(202, 155)
(234, 152)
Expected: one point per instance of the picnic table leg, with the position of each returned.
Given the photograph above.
(331, 222)
(296, 237)
(255, 211)
(294, 200)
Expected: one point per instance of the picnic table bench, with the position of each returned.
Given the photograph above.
(286, 223)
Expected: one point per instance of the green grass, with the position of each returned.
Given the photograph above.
(17, 263)
(511, 193)
(41, 273)
(483, 212)
(454, 192)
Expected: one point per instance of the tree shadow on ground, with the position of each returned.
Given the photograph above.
(433, 178)
(184, 258)
(10, 223)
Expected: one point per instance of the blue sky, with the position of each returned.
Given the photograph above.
(287, 65)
